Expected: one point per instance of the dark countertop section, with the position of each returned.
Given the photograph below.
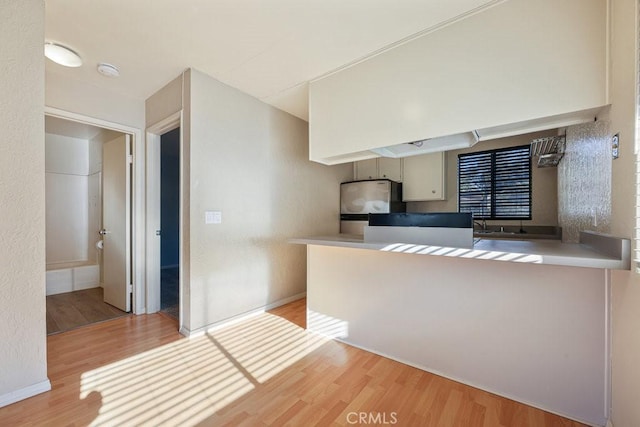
(527, 232)
(432, 219)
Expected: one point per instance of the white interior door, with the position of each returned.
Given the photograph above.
(116, 215)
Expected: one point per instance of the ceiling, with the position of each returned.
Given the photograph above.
(269, 49)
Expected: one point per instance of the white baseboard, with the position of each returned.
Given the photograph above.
(284, 301)
(240, 317)
(24, 393)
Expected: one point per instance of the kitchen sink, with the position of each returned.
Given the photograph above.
(520, 233)
(496, 232)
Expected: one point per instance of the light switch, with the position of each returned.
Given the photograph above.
(213, 217)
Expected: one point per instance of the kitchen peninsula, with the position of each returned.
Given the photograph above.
(528, 320)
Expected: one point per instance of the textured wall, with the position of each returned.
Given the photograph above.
(250, 161)
(22, 197)
(584, 181)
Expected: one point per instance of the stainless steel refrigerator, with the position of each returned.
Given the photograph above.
(360, 198)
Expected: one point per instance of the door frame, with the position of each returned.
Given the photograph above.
(153, 136)
(138, 197)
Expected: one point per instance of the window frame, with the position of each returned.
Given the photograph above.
(493, 202)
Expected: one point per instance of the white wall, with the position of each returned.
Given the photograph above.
(533, 333)
(517, 61)
(23, 370)
(66, 155)
(67, 198)
(544, 200)
(626, 285)
(249, 161)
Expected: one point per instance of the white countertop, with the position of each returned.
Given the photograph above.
(551, 252)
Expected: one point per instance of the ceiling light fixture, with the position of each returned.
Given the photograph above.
(62, 55)
(108, 70)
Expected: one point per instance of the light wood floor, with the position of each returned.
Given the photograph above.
(266, 370)
(74, 309)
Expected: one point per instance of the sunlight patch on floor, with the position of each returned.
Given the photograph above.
(185, 382)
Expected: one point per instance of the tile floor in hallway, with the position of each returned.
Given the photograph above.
(80, 308)
(169, 291)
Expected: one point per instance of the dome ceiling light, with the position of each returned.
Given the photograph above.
(62, 55)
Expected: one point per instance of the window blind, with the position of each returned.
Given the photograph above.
(495, 184)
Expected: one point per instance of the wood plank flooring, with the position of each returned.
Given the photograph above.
(74, 309)
(266, 370)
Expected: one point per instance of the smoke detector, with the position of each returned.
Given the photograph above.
(108, 70)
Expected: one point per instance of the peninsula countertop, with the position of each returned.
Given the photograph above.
(594, 250)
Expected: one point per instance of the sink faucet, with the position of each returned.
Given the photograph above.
(482, 225)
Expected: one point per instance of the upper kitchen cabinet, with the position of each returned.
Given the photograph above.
(378, 168)
(390, 169)
(365, 169)
(516, 67)
(424, 178)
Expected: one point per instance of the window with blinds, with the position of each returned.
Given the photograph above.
(495, 184)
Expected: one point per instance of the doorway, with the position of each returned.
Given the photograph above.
(170, 222)
(169, 235)
(87, 174)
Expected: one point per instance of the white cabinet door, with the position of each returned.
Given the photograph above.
(382, 168)
(424, 177)
(390, 169)
(367, 169)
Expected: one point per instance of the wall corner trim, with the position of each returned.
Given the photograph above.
(24, 393)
